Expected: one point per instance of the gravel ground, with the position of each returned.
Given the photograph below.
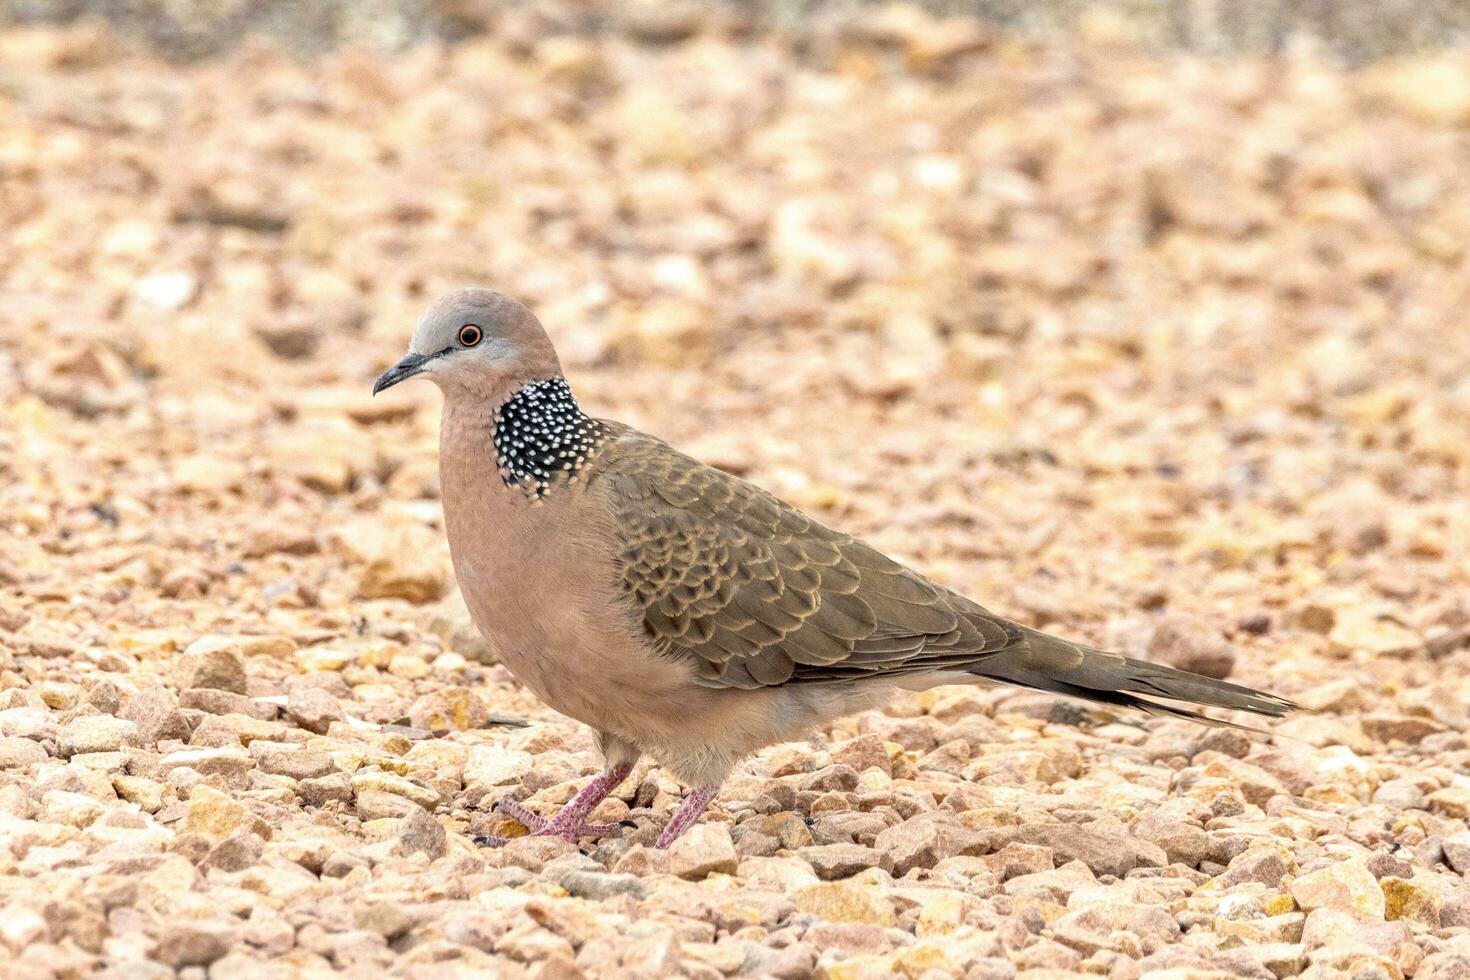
(1165, 354)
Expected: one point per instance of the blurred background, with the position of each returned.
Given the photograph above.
(1141, 321)
(948, 273)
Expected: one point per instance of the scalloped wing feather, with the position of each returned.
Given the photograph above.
(755, 594)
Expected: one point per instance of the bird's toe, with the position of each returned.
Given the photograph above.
(533, 822)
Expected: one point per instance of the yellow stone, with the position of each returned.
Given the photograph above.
(845, 901)
(871, 879)
(217, 815)
(1375, 637)
(382, 828)
(920, 958)
(375, 692)
(351, 760)
(162, 886)
(1431, 88)
(408, 666)
(1278, 905)
(1330, 794)
(725, 958)
(1404, 899)
(380, 654)
(149, 641)
(208, 473)
(943, 912)
(438, 754)
(146, 793)
(1452, 801)
(249, 729)
(322, 659)
(449, 708)
(833, 802)
(1347, 886)
(387, 782)
(866, 967)
(987, 817)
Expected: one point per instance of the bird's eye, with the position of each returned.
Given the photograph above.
(469, 335)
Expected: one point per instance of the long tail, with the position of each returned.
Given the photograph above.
(1046, 663)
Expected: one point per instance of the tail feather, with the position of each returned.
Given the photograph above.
(1046, 663)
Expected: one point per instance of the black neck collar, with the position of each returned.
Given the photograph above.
(543, 438)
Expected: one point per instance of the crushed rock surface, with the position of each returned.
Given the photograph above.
(1167, 354)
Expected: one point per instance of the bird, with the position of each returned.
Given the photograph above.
(682, 612)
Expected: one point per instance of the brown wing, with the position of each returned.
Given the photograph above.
(754, 593)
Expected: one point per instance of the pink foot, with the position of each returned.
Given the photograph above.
(571, 823)
(567, 824)
(687, 815)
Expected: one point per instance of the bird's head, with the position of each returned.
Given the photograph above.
(478, 341)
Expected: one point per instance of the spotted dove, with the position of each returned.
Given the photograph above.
(681, 611)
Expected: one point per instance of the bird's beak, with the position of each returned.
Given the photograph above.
(410, 365)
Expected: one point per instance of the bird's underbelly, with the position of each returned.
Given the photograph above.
(597, 679)
(573, 644)
(613, 681)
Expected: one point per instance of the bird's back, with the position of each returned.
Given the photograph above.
(750, 593)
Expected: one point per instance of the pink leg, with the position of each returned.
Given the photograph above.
(571, 822)
(687, 815)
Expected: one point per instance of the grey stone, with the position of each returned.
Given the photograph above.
(834, 861)
(323, 790)
(1457, 851)
(421, 833)
(97, 733)
(313, 709)
(184, 944)
(601, 885)
(214, 663)
(239, 851)
(297, 763)
(1104, 852)
(156, 713)
(17, 753)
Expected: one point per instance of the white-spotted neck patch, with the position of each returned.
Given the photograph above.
(543, 438)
